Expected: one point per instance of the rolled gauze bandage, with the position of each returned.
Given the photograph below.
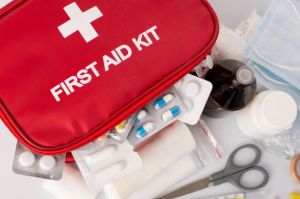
(167, 178)
(71, 185)
(163, 150)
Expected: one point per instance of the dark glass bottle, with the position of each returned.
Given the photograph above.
(234, 87)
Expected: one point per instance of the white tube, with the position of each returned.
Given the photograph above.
(160, 152)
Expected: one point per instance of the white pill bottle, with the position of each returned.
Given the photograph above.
(269, 114)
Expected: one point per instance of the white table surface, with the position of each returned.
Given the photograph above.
(4, 2)
(231, 12)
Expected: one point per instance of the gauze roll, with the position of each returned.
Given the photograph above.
(71, 185)
(165, 148)
(169, 177)
(247, 27)
(232, 43)
(229, 46)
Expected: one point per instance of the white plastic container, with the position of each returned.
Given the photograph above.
(271, 113)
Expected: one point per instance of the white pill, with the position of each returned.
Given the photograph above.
(144, 130)
(26, 159)
(171, 113)
(141, 115)
(163, 101)
(168, 97)
(115, 136)
(47, 163)
(192, 89)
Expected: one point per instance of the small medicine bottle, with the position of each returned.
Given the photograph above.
(271, 113)
(234, 87)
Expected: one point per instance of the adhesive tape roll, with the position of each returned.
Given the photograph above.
(295, 164)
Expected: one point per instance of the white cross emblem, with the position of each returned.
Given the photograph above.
(80, 21)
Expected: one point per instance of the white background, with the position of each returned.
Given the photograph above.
(4, 2)
(231, 12)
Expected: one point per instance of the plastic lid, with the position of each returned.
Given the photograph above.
(207, 62)
(278, 111)
(245, 76)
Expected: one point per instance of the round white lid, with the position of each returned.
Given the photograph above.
(279, 111)
(244, 75)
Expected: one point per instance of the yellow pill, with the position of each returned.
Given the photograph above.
(294, 196)
(121, 125)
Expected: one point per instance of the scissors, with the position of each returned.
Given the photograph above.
(232, 174)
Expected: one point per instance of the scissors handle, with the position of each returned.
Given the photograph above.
(236, 179)
(231, 164)
(232, 168)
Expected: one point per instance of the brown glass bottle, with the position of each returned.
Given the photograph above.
(234, 87)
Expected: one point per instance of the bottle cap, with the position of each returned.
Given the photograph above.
(277, 112)
(207, 62)
(244, 75)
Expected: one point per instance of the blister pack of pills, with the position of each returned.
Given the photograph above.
(121, 131)
(100, 162)
(158, 114)
(36, 165)
(194, 93)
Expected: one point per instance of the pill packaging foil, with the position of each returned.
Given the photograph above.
(36, 165)
(194, 93)
(121, 131)
(232, 196)
(154, 117)
(101, 162)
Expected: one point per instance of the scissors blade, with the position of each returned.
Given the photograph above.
(189, 188)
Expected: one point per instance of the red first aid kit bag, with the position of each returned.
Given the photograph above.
(72, 70)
